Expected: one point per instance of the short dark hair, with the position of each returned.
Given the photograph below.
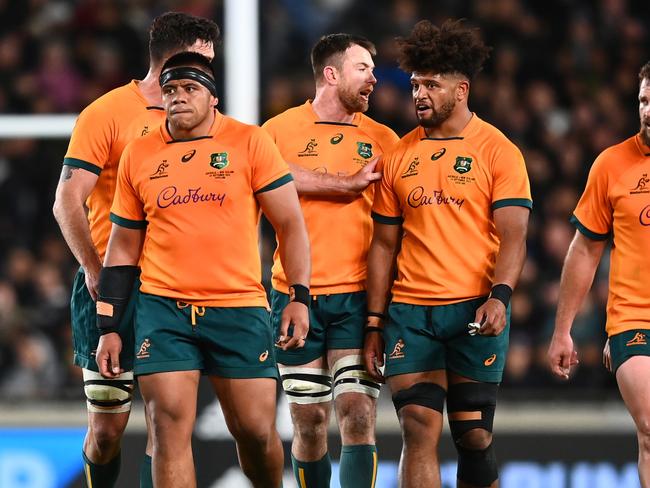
(190, 58)
(644, 74)
(172, 31)
(450, 48)
(332, 46)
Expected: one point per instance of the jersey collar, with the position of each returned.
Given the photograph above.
(469, 130)
(645, 150)
(308, 110)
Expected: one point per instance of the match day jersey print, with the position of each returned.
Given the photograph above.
(197, 199)
(101, 133)
(443, 192)
(616, 203)
(340, 229)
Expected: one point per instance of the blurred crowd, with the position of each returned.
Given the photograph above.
(561, 83)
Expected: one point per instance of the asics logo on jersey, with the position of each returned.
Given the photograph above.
(309, 149)
(187, 156)
(397, 350)
(642, 185)
(438, 154)
(336, 138)
(637, 340)
(412, 170)
(161, 171)
(143, 352)
(145, 131)
(490, 361)
(264, 356)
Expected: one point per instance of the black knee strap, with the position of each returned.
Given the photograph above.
(429, 395)
(471, 397)
(477, 467)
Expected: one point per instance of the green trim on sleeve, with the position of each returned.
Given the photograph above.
(513, 202)
(383, 219)
(283, 180)
(79, 163)
(586, 232)
(128, 223)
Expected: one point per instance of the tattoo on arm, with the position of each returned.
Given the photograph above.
(66, 174)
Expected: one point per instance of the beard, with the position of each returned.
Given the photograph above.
(644, 133)
(352, 101)
(438, 116)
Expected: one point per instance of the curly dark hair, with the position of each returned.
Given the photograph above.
(450, 48)
(644, 74)
(172, 31)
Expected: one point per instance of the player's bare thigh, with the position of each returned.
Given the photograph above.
(633, 378)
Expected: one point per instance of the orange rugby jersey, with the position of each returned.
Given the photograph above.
(339, 229)
(616, 203)
(197, 200)
(100, 134)
(443, 192)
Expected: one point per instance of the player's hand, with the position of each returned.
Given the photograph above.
(607, 357)
(492, 316)
(561, 355)
(108, 355)
(373, 355)
(92, 280)
(296, 314)
(360, 180)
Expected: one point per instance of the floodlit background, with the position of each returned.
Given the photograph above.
(561, 83)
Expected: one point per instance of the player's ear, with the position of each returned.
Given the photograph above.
(462, 89)
(330, 74)
(214, 101)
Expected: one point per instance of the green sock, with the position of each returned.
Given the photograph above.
(358, 468)
(102, 475)
(146, 476)
(313, 474)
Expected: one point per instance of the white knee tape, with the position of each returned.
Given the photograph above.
(108, 396)
(349, 376)
(306, 385)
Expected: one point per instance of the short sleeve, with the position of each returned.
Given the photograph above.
(385, 207)
(593, 214)
(510, 178)
(90, 143)
(128, 209)
(270, 171)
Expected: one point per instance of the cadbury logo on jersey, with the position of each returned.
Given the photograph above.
(187, 156)
(417, 197)
(170, 196)
(644, 216)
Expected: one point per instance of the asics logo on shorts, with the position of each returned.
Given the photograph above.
(143, 353)
(264, 356)
(637, 340)
(490, 361)
(397, 350)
